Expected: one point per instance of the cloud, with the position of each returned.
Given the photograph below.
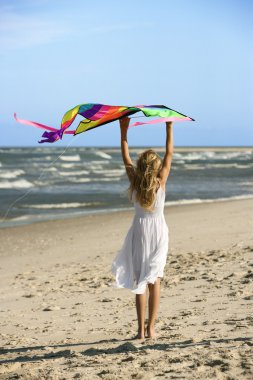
(19, 31)
(29, 27)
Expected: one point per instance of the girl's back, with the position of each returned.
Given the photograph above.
(158, 206)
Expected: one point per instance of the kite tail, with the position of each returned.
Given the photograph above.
(51, 136)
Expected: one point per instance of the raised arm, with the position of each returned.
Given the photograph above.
(124, 123)
(165, 171)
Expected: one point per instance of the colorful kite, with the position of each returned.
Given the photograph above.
(99, 114)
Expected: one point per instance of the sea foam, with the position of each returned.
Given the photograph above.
(76, 157)
(19, 184)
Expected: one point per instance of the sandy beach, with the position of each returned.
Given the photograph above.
(61, 318)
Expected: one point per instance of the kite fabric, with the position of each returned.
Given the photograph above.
(96, 115)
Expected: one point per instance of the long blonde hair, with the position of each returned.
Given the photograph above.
(145, 179)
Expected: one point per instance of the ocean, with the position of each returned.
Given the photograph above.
(43, 183)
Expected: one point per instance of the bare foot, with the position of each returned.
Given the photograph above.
(140, 335)
(151, 332)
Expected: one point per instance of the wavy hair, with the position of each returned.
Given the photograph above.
(145, 179)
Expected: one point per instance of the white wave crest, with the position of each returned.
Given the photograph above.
(51, 169)
(99, 162)
(68, 166)
(95, 167)
(207, 155)
(225, 165)
(188, 157)
(11, 174)
(103, 155)
(111, 179)
(194, 167)
(19, 184)
(80, 180)
(110, 173)
(198, 200)
(73, 173)
(49, 206)
(230, 165)
(76, 157)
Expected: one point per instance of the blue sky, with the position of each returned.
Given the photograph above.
(195, 56)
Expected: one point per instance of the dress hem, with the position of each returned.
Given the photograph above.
(141, 287)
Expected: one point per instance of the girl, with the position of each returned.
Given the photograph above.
(141, 261)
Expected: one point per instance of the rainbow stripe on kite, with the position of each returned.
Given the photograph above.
(96, 115)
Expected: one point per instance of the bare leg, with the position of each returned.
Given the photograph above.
(141, 311)
(153, 304)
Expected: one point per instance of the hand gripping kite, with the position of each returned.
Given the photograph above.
(96, 115)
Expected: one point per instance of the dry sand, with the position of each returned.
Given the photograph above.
(62, 319)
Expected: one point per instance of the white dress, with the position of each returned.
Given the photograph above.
(143, 255)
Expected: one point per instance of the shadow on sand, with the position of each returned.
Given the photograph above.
(128, 346)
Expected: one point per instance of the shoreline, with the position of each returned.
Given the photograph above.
(125, 216)
(21, 221)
